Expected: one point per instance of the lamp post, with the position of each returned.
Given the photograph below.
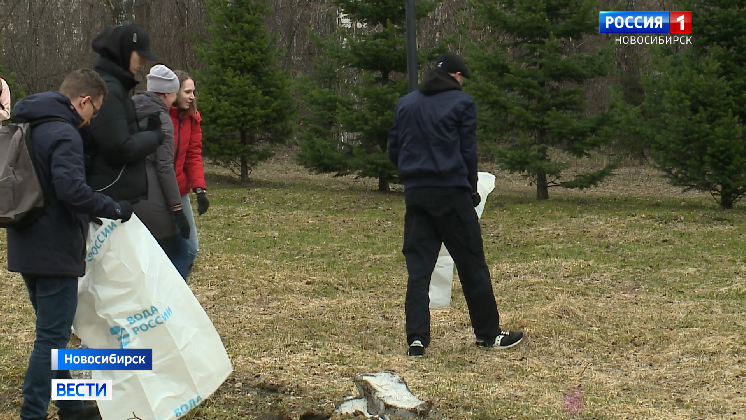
(411, 45)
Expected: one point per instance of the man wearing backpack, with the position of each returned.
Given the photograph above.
(49, 252)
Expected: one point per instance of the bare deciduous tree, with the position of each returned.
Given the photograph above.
(42, 40)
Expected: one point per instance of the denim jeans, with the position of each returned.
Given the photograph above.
(177, 250)
(193, 241)
(55, 300)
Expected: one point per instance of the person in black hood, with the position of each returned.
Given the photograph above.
(49, 253)
(116, 146)
(433, 144)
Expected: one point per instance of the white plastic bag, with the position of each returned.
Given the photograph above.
(133, 297)
(441, 280)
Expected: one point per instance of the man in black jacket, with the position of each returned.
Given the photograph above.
(49, 253)
(434, 147)
(115, 145)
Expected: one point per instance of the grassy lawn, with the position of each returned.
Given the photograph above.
(631, 294)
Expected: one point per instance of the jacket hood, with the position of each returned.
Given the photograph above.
(46, 105)
(148, 103)
(438, 81)
(112, 44)
(106, 66)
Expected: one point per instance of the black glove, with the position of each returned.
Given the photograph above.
(160, 137)
(154, 122)
(182, 223)
(476, 198)
(125, 211)
(202, 203)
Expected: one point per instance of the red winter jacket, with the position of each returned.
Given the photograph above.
(188, 150)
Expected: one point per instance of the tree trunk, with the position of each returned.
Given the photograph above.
(244, 160)
(383, 184)
(726, 199)
(542, 189)
(244, 170)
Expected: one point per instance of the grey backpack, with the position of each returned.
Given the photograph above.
(21, 195)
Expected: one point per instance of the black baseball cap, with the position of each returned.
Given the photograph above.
(141, 42)
(452, 64)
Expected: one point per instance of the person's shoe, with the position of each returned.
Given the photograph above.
(88, 412)
(505, 340)
(416, 349)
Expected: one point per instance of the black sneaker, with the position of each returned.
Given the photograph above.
(88, 412)
(416, 349)
(503, 341)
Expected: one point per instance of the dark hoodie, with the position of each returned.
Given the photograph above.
(54, 245)
(114, 44)
(115, 146)
(433, 141)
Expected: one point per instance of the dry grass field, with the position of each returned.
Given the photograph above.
(631, 296)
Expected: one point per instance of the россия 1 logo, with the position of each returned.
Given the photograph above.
(645, 22)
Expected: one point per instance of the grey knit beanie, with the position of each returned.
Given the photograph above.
(162, 80)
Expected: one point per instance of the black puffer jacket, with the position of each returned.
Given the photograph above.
(115, 146)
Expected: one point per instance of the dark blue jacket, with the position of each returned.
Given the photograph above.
(433, 141)
(54, 245)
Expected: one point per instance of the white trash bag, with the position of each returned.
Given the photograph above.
(133, 297)
(441, 280)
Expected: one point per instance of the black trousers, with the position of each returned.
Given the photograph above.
(445, 215)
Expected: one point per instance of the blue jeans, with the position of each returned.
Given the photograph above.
(177, 250)
(55, 300)
(193, 241)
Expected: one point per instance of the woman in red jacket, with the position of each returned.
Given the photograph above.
(188, 155)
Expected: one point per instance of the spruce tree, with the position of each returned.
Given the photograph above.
(695, 104)
(244, 96)
(350, 98)
(321, 149)
(528, 87)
